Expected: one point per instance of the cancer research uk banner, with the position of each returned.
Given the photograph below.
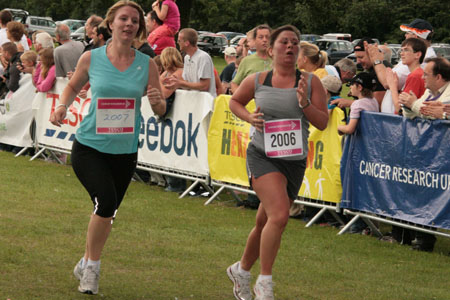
(180, 141)
(16, 114)
(400, 168)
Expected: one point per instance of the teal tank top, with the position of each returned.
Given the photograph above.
(113, 120)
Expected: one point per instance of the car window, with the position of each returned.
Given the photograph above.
(208, 39)
(33, 22)
(52, 24)
(323, 45)
(42, 22)
(333, 45)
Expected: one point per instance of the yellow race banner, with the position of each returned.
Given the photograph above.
(322, 180)
(228, 138)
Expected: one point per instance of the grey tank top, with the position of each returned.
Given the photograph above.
(276, 104)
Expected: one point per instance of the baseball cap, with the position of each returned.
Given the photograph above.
(45, 40)
(331, 83)
(419, 27)
(360, 45)
(365, 79)
(230, 51)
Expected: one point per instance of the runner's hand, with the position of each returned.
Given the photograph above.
(154, 96)
(256, 119)
(302, 91)
(58, 116)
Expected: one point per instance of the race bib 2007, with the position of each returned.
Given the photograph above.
(115, 116)
(283, 138)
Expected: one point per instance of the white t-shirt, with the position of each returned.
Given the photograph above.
(402, 71)
(200, 66)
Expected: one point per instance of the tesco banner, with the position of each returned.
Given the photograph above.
(16, 114)
(396, 167)
(44, 104)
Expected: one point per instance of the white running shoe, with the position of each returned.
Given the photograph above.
(89, 281)
(264, 290)
(78, 270)
(241, 289)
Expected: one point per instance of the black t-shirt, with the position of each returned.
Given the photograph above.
(146, 49)
(379, 87)
(227, 73)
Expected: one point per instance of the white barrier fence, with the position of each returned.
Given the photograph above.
(176, 146)
(16, 115)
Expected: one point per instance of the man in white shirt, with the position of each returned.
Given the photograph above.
(198, 71)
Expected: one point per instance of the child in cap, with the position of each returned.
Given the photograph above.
(362, 86)
(333, 87)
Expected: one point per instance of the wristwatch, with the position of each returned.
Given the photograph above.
(377, 62)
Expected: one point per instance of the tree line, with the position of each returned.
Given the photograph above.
(372, 18)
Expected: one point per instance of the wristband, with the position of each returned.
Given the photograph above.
(65, 105)
(306, 105)
(444, 116)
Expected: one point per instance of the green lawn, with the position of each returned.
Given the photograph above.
(162, 247)
(219, 63)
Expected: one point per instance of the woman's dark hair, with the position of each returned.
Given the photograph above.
(275, 33)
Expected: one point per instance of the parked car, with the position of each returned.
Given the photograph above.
(19, 15)
(395, 48)
(442, 50)
(338, 36)
(214, 44)
(73, 24)
(309, 37)
(78, 35)
(40, 23)
(199, 32)
(229, 35)
(336, 49)
(356, 41)
(234, 41)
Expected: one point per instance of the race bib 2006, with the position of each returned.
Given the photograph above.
(115, 116)
(283, 138)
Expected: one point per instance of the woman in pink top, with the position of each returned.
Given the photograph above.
(47, 76)
(167, 11)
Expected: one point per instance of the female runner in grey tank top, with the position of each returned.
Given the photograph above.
(286, 102)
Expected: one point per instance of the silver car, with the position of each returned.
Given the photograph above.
(40, 23)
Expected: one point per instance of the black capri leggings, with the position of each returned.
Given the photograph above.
(105, 176)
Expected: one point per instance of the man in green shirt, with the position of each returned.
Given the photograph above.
(260, 61)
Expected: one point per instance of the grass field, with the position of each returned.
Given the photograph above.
(162, 247)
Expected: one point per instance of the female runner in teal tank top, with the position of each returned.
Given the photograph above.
(104, 153)
(276, 156)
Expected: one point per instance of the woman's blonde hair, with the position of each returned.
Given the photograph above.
(314, 55)
(171, 58)
(111, 14)
(47, 60)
